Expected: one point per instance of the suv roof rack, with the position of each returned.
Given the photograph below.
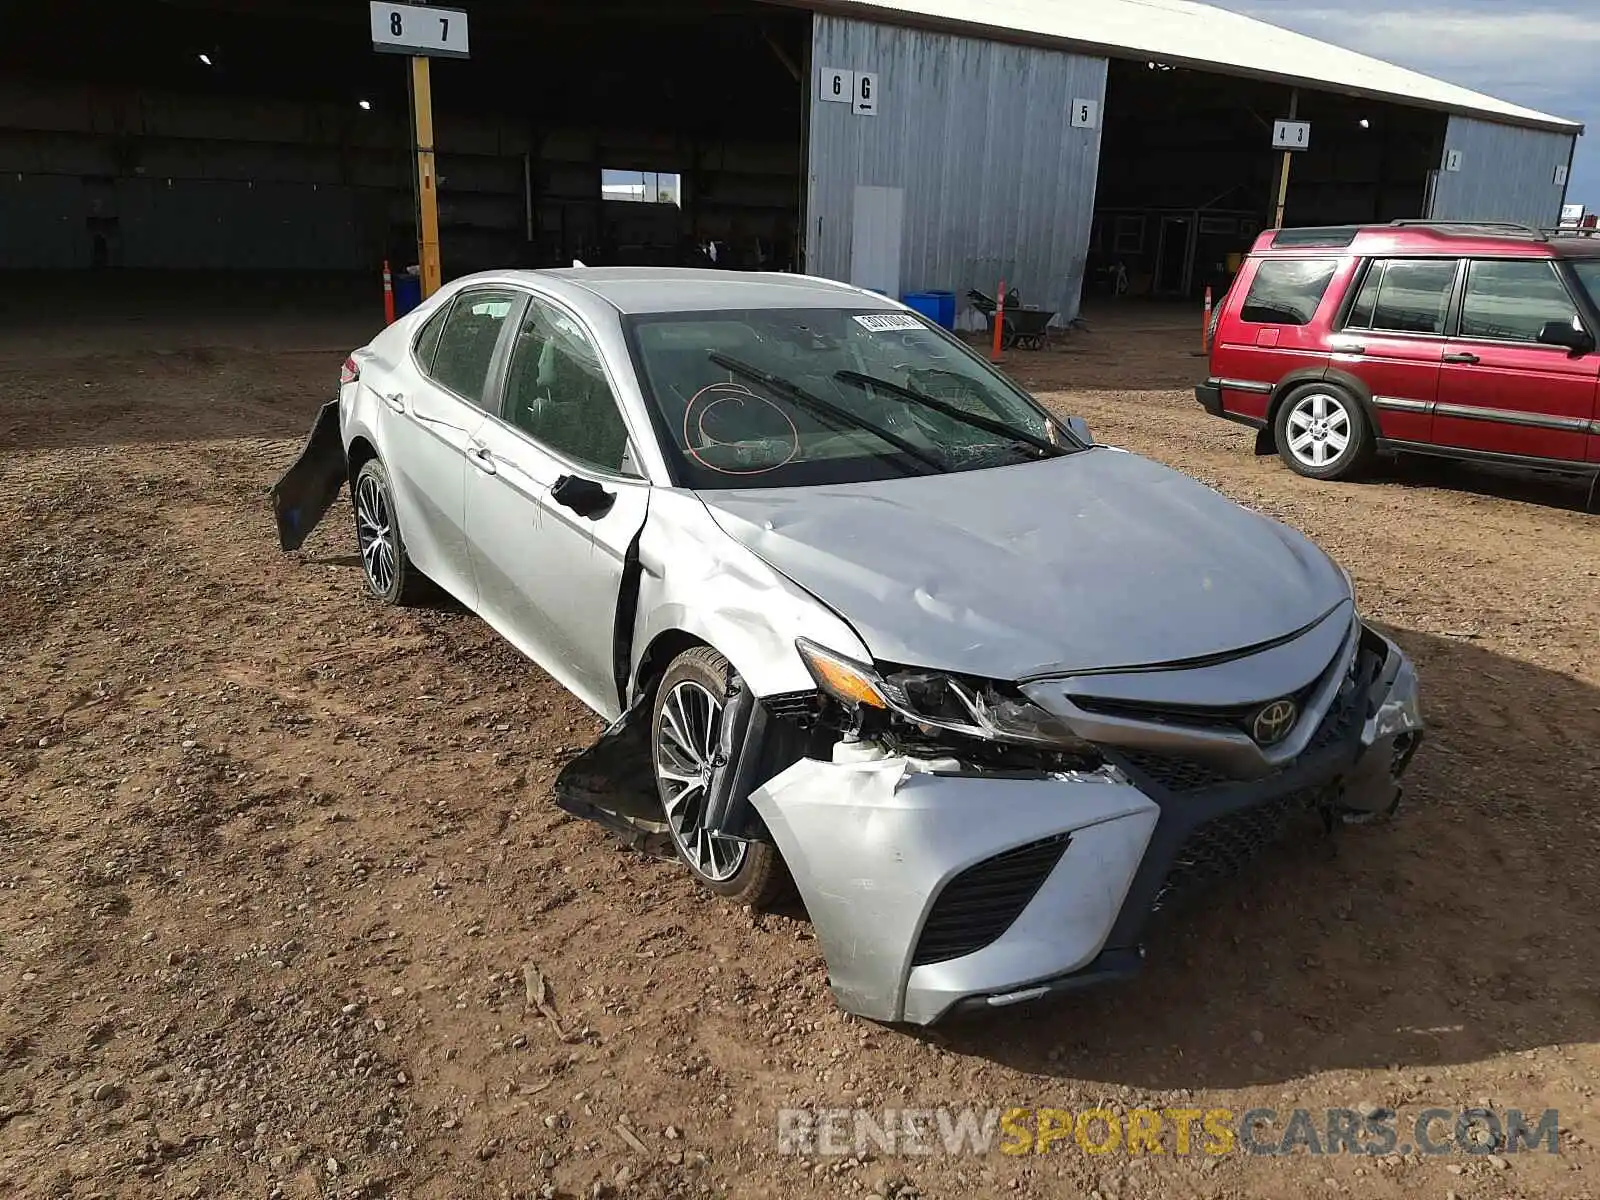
(1529, 231)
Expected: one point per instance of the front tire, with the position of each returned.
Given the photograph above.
(385, 565)
(1322, 433)
(684, 730)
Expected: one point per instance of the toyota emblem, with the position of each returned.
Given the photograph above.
(1273, 723)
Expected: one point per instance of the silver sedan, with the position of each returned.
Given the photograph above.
(867, 622)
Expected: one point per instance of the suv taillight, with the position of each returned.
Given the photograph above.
(350, 372)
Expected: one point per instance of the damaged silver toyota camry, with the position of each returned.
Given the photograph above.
(866, 620)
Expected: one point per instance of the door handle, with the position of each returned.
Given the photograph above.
(396, 401)
(583, 496)
(481, 458)
(1351, 350)
(1461, 358)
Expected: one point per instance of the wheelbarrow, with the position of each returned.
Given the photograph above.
(1024, 328)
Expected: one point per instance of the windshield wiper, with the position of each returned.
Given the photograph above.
(841, 416)
(987, 424)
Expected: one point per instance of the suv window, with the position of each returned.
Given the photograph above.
(1404, 296)
(557, 393)
(467, 342)
(1512, 301)
(1287, 291)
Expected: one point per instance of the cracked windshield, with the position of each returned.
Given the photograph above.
(774, 398)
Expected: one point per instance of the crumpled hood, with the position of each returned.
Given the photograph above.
(1093, 560)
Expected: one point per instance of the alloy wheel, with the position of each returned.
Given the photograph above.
(1319, 429)
(375, 535)
(686, 747)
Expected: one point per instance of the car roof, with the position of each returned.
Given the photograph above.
(1424, 239)
(632, 290)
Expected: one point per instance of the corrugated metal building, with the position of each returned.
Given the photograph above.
(1062, 145)
(984, 156)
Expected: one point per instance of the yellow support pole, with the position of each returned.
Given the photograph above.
(427, 179)
(1283, 170)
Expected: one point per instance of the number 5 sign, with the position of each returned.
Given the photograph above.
(425, 31)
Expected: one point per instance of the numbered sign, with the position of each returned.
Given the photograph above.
(1085, 114)
(1291, 135)
(1452, 160)
(837, 87)
(1561, 174)
(425, 31)
(866, 103)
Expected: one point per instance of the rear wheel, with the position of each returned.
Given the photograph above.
(385, 564)
(1322, 433)
(685, 730)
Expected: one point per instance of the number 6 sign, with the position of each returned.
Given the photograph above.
(838, 87)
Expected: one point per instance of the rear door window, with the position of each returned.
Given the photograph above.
(1287, 291)
(1513, 301)
(467, 342)
(1405, 296)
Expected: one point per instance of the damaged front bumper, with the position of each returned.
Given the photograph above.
(934, 887)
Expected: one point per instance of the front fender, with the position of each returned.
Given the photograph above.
(696, 580)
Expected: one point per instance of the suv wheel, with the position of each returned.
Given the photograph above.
(1321, 432)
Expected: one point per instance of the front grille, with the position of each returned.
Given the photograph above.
(1178, 774)
(980, 904)
(1174, 773)
(1223, 847)
(1187, 716)
(799, 707)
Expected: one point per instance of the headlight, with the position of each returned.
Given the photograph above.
(933, 700)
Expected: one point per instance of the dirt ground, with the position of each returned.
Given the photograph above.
(273, 862)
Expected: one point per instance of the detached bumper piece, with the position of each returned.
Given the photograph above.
(934, 888)
(307, 490)
(1210, 396)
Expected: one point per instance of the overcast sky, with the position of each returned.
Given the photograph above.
(1538, 53)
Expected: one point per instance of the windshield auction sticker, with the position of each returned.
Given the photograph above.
(887, 322)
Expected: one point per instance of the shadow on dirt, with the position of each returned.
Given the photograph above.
(1573, 493)
(1461, 930)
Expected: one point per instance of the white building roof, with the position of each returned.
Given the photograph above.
(1186, 33)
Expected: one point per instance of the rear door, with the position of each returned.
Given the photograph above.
(554, 501)
(1393, 340)
(1501, 390)
(432, 406)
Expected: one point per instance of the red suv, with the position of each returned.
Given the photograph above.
(1469, 341)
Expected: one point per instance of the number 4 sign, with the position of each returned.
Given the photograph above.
(425, 31)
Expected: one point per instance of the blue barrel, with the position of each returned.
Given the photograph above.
(938, 307)
(407, 293)
(926, 303)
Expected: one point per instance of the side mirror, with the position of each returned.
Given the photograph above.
(1568, 334)
(1079, 428)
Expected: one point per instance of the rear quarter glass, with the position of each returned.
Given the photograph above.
(1275, 325)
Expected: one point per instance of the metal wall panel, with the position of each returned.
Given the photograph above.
(1506, 173)
(979, 136)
